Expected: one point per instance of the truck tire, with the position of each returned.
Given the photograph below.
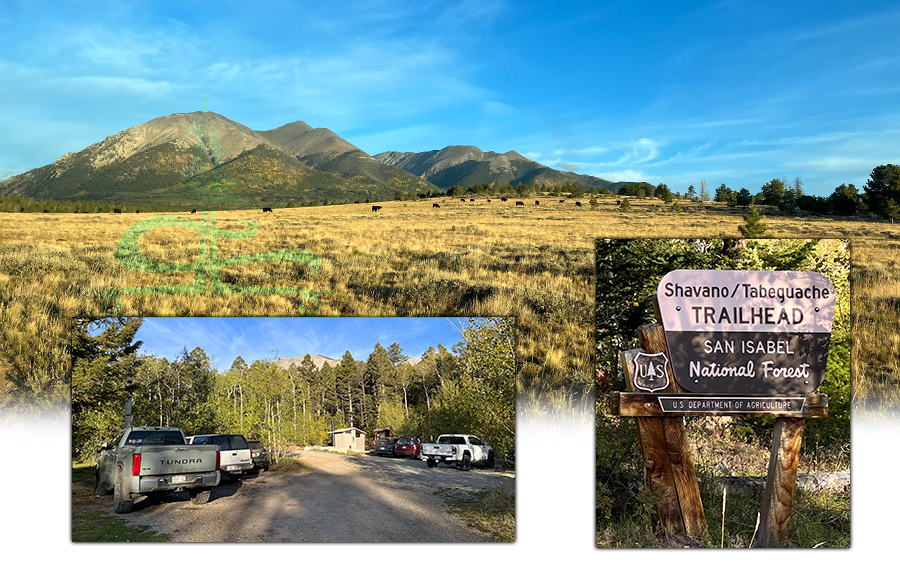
(123, 502)
(200, 497)
(490, 461)
(466, 463)
(431, 463)
(100, 487)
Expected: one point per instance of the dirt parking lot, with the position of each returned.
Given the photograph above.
(344, 500)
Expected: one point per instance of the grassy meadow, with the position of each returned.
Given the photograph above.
(409, 259)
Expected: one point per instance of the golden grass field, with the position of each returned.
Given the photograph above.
(465, 259)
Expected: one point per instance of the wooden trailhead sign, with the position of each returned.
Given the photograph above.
(747, 332)
(727, 343)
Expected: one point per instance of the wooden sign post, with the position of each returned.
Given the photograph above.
(669, 468)
(747, 343)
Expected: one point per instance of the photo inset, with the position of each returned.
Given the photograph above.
(323, 430)
(723, 412)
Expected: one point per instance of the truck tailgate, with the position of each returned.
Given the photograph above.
(177, 459)
(434, 449)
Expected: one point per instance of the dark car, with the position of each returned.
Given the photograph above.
(259, 453)
(385, 446)
(408, 447)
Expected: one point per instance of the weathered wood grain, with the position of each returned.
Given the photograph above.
(669, 469)
(781, 481)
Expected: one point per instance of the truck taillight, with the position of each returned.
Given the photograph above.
(136, 464)
(218, 460)
(454, 449)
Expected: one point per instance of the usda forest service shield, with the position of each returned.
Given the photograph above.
(650, 371)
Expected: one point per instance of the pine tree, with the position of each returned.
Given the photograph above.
(102, 365)
(753, 226)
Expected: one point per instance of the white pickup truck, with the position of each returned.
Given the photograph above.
(461, 450)
(148, 461)
(236, 455)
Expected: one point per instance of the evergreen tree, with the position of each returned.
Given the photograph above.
(663, 193)
(377, 373)
(772, 193)
(102, 364)
(743, 197)
(882, 191)
(753, 226)
(845, 200)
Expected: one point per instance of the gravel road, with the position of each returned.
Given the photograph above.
(345, 500)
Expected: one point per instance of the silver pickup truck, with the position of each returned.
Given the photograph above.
(461, 450)
(146, 461)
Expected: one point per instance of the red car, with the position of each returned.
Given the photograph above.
(408, 447)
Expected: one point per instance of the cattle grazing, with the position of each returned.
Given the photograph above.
(463, 199)
(435, 206)
(46, 211)
(504, 199)
(117, 211)
(537, 202)
(193, 211)
(578, 203)
(267, 209)
(137, 211)
(471, 200)
(489, 200)
(562, 200)
(520, 203)
(376, 208)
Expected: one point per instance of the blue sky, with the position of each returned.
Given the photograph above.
(265, 338)
(731, 92)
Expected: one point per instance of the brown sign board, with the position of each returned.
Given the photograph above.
(747, 332)
(642, 404)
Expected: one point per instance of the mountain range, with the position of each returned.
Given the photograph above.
(180, 159)
(319, 360)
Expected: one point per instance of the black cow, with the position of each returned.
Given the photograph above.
(537, 202)
(267, 209)
(489, 200)
(137, 211)
(520, 203)
(435, 206)
(376, 208)
(117, 211)
(562, 200)
(504, 199)
(578, 203)
(471, 199)
(193, 211)
(463, 199)
(46, 211)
